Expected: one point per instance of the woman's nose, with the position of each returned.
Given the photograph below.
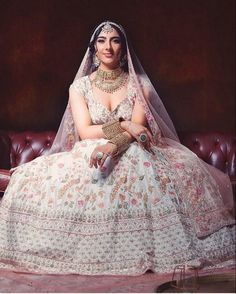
(108, 45)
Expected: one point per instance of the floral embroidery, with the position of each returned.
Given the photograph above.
(147, 164)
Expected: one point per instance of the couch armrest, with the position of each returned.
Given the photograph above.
(5, 145)
(215, 148)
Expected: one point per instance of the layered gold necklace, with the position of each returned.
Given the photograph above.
(110, 81)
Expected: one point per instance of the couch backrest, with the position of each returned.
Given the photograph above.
(26, 146)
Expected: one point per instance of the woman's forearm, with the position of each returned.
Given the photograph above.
(92, 132)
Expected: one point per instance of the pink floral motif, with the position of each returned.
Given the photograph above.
(179, 165)
(133, 179)
(199, 190)
(155, 200)
(134, 161)
(101, 205)
(80, 203)
(149, 116)
(122, 197)
(134, 201)
(61, 165)
(147, 164)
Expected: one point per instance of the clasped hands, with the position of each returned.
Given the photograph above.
(109, 149)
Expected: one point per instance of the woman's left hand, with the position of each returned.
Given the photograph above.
(107, 149)
(135, 130)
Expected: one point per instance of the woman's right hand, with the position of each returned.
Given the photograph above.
(135, 130)
(107, 149)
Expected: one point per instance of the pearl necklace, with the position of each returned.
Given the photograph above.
(110, 81)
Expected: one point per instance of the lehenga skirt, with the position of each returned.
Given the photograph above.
(153, 211)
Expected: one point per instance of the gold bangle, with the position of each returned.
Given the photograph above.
(111, 129)
(122, 142)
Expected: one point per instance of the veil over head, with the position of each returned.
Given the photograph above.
(157, 117)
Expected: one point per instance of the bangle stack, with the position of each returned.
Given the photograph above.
(121, 141)
(111, 129)
(115, 134)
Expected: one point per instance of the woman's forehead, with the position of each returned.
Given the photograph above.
(113, 33)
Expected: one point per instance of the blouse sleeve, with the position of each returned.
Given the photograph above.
(79, 86)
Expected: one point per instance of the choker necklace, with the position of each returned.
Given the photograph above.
(110, 81)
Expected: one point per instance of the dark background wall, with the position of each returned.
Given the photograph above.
(186, 47)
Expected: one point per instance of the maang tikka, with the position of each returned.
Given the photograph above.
(107, 28)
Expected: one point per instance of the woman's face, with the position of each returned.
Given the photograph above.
(108, 48)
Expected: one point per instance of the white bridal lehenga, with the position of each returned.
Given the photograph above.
(149, 213)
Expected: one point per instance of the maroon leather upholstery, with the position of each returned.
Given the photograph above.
(20, 147)
(217, 149)
(5, 143)
(27, 146)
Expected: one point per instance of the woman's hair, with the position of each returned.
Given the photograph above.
(92, 49)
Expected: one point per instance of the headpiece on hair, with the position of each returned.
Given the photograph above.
(107, 25)
(107, 28)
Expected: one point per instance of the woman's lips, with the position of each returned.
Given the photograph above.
(108, 55)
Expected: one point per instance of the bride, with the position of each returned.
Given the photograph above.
(118, 193)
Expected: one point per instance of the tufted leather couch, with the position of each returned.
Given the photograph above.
(218, 149)
(17, 148)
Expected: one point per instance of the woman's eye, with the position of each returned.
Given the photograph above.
(117, 41)
(100, 41)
